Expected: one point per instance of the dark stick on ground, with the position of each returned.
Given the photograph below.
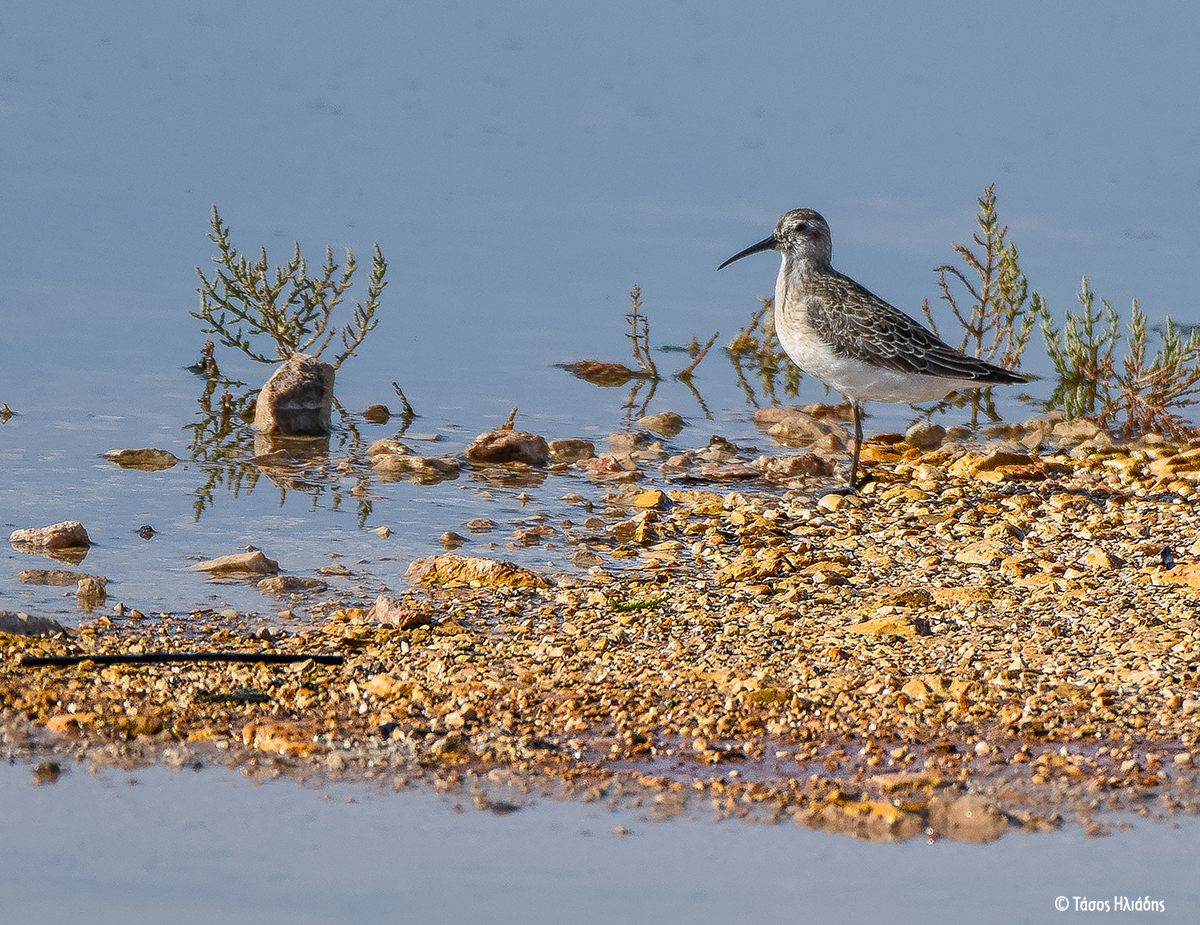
(158, 658)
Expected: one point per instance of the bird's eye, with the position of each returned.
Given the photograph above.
(802, 226)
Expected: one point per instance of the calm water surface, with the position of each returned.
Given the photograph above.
(522, 168)
(209, 846)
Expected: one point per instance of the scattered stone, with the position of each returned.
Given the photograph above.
(800, 466)
(667, 423)
(570, 451)
(55, 576)
(504, 445)
(384, 531)
(1003, 431)
(609, 467)
(69, 534)
(925, 435)
(831, 502)
(451, 569)
(585, 558)
(251, 562)
(1075, 431)
(982, 552)
(297, 400)
(389, 458)
(911, 597)
(803, 429)
(390, 612)
(90, 593)
(22, 624)
(1175, 463)
(599, 373)
(765, 417)
(970, 465)
(377, 414)
(891, 625)
(146, 458)
(285, 584)
(1101, 559)
(452, 540)
(480, 525)
(651, 498)
(533, 536)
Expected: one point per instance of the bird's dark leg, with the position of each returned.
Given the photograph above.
(856, 412)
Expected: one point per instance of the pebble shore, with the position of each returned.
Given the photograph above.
(982, 639)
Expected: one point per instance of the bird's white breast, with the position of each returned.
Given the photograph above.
(856, 379)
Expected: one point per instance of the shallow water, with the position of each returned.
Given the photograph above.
(206, 846)
(521, 169)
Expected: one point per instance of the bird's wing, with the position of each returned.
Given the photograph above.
(859, 324)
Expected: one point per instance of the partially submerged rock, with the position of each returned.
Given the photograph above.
(667, 423)
(570, 451)
(284, 584)
(69, 534)
(389, 458)
(55, 576)
(146, 458)
(297, 400)
(251, 562)
(90, 593)
(450, 569)
(800, 429)
(505, 445)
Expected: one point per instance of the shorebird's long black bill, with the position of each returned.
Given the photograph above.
(766, 244)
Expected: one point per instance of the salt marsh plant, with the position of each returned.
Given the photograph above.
(1141, 393)
(1003, 312)
(255, 308)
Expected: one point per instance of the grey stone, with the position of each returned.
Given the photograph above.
(21, 624)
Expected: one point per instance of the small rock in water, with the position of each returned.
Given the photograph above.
(282, 584)
(147, 458)
(297, 400)
(503, 445)
(925, 435)
(452, 540)
(69, 534)
(90, 593)
(242, 563)
(55, 576)
(802, 429)
(667, 423)
(377, 414)
(569, 451)
(585, 558)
